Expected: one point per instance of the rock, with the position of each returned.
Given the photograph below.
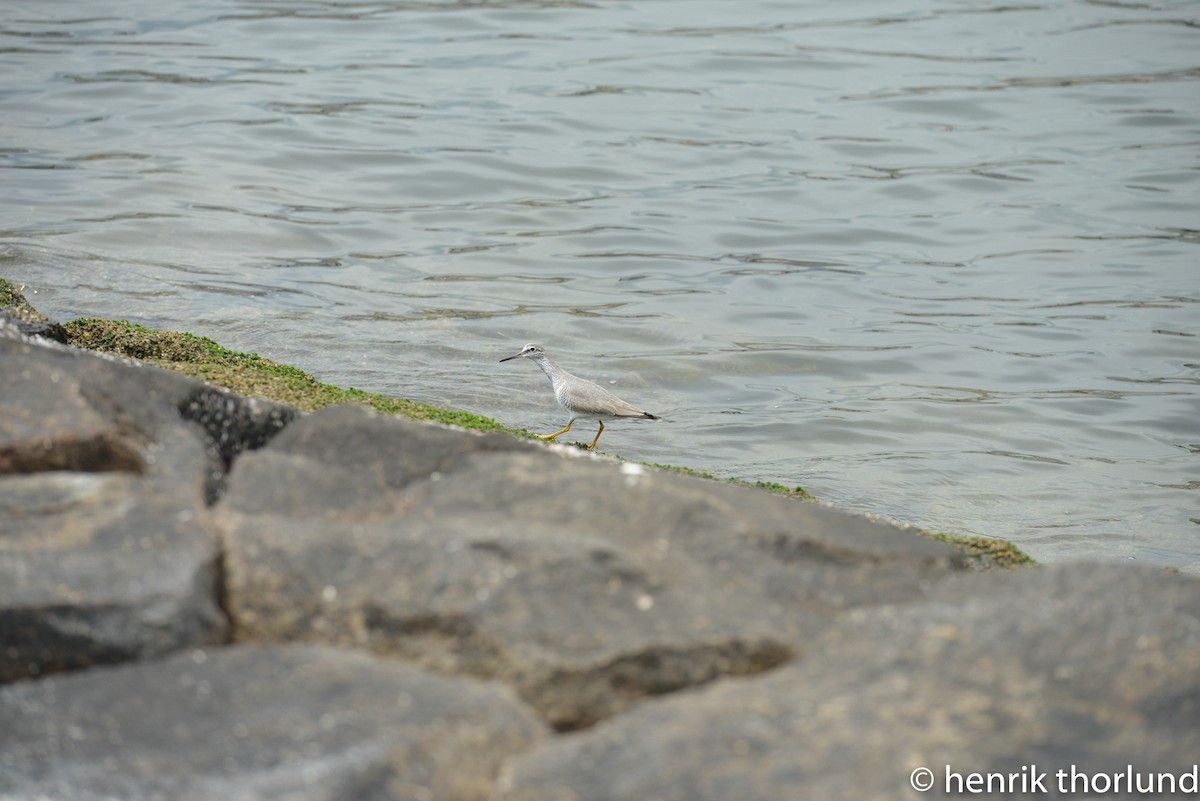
(95, 569)
(1083, 667)
(248, 722)
(143, 514)
(232, 423)
(585, 584)
(68, 409)
(16, 311)
(107, 550)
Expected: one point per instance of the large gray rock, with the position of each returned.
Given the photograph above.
(70, 410)
(67, 409)
(107, 551)
(1096, 667)
(247, 722)
(96, 569)
(585, 584)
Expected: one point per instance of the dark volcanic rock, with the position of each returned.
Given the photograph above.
(106, 549)
(301, 723)
(233, 424)
(583, 583)
(1092, 666)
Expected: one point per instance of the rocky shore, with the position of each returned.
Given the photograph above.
(208, 595)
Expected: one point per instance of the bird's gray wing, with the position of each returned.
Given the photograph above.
(590, 398)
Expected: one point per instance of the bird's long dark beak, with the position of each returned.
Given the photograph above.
(514, 356)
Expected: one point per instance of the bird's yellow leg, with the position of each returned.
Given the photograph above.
(592, 447)
(556, 433)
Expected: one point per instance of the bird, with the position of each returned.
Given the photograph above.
(582, 398)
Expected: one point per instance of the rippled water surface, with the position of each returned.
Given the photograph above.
(932, 260)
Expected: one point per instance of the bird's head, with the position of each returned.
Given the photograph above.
(530, 351)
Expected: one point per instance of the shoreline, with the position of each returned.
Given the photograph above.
(211, 593)
(255, 376)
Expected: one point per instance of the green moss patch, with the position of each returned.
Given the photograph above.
(248, 373)
(799, 493)
(985, 553)
(10, 295)
(11, 298)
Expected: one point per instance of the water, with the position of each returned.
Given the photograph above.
(931, 260)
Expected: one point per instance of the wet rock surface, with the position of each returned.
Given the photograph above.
(203, 595)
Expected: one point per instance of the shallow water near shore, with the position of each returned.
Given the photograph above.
(935, 261)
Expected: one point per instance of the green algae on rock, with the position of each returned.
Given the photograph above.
(249, 373)
(984, 553)
(254, 375)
